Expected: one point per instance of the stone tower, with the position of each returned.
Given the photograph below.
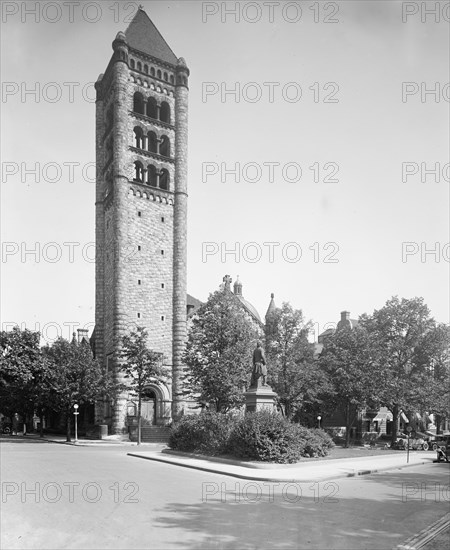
(141, 210)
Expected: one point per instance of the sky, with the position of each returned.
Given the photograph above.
(332, 115)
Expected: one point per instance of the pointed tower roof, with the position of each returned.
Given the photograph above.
(272, 307)
(143, 35)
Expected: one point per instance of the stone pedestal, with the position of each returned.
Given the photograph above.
(259, 398)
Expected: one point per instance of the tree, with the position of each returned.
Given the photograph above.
(141, 366)
(218, 352)
(76, 377)
(293, 372)
(400, 331)
(24, 372)
(350, 362)
(432, 367)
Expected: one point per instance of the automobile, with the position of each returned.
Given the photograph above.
(436, 440)
(5, 427)
(415, 443)
(443, 450)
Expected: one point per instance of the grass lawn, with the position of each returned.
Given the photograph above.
(355, 452)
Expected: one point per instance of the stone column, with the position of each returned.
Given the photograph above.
(180, 235)
(122, 104)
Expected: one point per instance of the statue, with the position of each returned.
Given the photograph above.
(259, 367)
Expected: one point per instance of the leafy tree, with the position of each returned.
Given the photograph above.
(24, 372)
(141, 366)
(219, 352)
(432, 373)
(76, 377)
(293, 373)
(400, 331)
(350, 362)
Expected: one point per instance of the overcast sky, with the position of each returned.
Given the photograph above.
(337, 108)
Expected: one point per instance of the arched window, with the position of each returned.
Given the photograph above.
(171, 78)
(138, 137)
(152, 142)
(158, 74)
(164, 179)
(152, 71)
(138, 103)
(139, 66)
(152, 177)
(146, 69)
(164, 114)
(166, 78)
(138, 171)
(164, 148)
(132, 63)
(152, 109)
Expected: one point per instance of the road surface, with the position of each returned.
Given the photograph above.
(60, 496)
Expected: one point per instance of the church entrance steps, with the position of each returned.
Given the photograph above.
(152, 434)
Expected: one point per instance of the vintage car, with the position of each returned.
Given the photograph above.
(443, 450)
(435, 441)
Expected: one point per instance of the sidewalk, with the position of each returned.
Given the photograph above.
(302, 472)
(105, 442)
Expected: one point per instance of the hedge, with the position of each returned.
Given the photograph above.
(262, 436)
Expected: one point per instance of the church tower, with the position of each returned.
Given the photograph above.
(141, 211)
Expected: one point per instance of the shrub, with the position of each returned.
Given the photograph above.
(262, 435)
(269, 437)
(206, 433)
(317, 442)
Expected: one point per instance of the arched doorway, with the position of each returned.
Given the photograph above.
(148, 408)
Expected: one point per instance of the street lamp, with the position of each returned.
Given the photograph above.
(76, 413)
(319, 418)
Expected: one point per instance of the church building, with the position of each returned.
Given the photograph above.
(141, 213)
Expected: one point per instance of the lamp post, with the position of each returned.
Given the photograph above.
(76, 413)
(319, 418)
(408, 433)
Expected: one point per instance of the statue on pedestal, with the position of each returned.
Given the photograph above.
(259, 373)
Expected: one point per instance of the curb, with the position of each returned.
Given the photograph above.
(211, 469)
(426, 535)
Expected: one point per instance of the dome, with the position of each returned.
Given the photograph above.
(249, 307)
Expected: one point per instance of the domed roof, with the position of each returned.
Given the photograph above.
(249, 306)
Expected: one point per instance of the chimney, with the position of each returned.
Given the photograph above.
(345, 315)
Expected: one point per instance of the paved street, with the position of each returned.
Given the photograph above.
(98, 497)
